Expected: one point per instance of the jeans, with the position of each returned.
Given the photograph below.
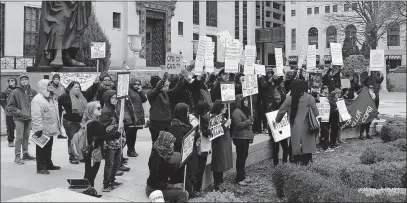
(365, 127)
(334, 124)
(131, 137)
(112, 162)
(71, 128)
(201, 169)
(242, 152)
(11, 126)
(156, 127)
(276, 149)
(43, 156)
(304, 159)
(324, 135)
(217, 178)
(170, 194)
(22, 134)
(91, 171)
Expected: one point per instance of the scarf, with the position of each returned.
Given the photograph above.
(78, 103)
(165, 145)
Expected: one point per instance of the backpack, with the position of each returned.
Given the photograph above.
(79, 142)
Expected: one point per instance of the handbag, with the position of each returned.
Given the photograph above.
(313, 122)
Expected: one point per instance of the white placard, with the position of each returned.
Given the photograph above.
(86, 80)
(97, 50)
(224, 37)
(232, 54)
(209, 57)
(193, 120)
(187, 145)
(249, 58)
(281, 130)
(312, 57)
(200, 54)
(324, 109)
(123, 80)
(343, 111)
(173, 63)
(215, 125)
(303, 54)
(377, 62)
(336, 53)
(249, 85)
(259, 69)
(279, 61)
(345, 83)
(227, 92)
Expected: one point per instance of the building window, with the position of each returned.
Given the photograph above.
(284, 18)
(31, 29)
(215, 40)
(292, 12)
(195, 14)
(277, 25)
(268, 24)
(346, 7)
(327, 9)
(268, 3)
(293, 39)
(316, 10)
(180, 28)
(2, 16)
(268, 14)
(309, 11)
(350, 32)
(283, 8)
(354, 6)
(393, 34)
(335, 8)
(313, 36)
(237, 26)
(244, 22)
(277, 16)
(212, 13)
(276, 5)
(330, 36)
(116, 20)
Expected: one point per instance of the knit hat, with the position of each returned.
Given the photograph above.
(56, 76)
(154, 80)
(23, 76)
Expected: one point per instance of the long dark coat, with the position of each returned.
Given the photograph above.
(222, 157)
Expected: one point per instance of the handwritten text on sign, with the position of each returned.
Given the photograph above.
(377, 60)
(215, 125)
(336, 53)
(232, 54)
(311, 57)
(281, 130)
(227, 91)
(187, 145)
(173, 63)
(98, 50)
(324, 109)
(249, 85)
(123, 80)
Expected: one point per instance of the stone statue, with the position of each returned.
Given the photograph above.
(62, 23)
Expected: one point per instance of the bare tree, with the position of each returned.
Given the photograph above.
(372, 18)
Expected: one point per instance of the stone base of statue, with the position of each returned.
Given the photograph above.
(60, 69)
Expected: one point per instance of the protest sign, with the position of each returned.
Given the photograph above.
(173, 63)
(324, 109)
(343, 111)
(249, 58)
(281, 130)
(315, 80)
(312, 57)
(249, 85)
(84, 79)
(362, 110)
(123, 80)
(200, 54)
(303, 55)
(97, 50)
(259, 69)
(345, 83)
(279, 61)
(336, 53)
(193, 120)
(227, 91)
(187, 145)
(215, 125)
(232, 54)
(209, 57)
(377, 62)
(224, 37)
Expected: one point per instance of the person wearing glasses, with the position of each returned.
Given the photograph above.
(12, 82)
(106, 83)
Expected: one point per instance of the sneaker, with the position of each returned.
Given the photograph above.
(247, 180)
(28, 157)
(18, 160)
(316, 152)
(43, 172)
(62, 137)
(119, 173)
(329, 150)
(10, 144)
(132, 154)
(335, 146)
(242, 183)
(124, 168)
(107, 188)
(117, 184)
(74, 161)
(53, 168)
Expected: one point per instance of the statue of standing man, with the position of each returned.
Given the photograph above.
(62, 23)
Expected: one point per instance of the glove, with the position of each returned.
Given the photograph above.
(117, 135)
(38, 134)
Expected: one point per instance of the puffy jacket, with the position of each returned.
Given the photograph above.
(110, 119)
(241, 125)
(4, 97)
(19, 102)
(137, 99)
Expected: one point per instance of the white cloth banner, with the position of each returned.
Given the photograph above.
(85, 79)
(281, 130)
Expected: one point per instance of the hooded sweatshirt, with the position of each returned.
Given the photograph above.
(19, 102)
(5, 95)
(137, 98)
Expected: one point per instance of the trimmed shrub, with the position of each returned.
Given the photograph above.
(217, 197)
(371, 192)
(388, 174)
(357, 176)
(401, 144)
(282, 173)
(404, 180)
(327, 169)
(394, 129)
(303, 186)
(377, 153)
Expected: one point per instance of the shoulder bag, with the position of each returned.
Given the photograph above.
(313, 122)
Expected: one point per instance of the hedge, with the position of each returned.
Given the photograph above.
(401, 144)
(378, 153)
(357, 176)
(217, 197)
(281, 174)
(327, 168)
(388, 174)
(395, 128)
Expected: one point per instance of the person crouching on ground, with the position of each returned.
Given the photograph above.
(45, 122)
(12, 82)
(19, 105)
(242, 135)
(110, 120)
(162, 164)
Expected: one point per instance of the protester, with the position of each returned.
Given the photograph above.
(222, 157)
(188, 93)
(374, 80)
(107, 83)
(331, 79)
(334, 121)
(12, 82)
(215, 91)
(45, 122)
(59, 89)
(242, 135)
(211, 81)
(74, 102)
(19, 105)
(239, 77)
(324, 125)
(298, 105)
(162, 162)
(205, 94)
(365, 127)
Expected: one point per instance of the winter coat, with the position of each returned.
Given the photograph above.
(222, 156)
(110, 119)
(374, 81)
(45, 114)
(300, 129)
(19, 102)
(137, 99)
(241, 125)
(215, 91)
(332, 80)
(4, 97)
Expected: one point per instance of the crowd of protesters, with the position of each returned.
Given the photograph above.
(56, 111)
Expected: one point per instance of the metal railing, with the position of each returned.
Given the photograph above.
(16, 62)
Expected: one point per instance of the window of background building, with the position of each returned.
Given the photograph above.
(346, 7)
(237, 27)
(116, 20)
(268, 24)
(2, 18)
(292, 1)
(268, 14)
(214, 39)
(195, 13)
(313, 36)
(276, 5)
(393, 34)
(180, 28)
(284, 18)
(283, 8)
(244, 22)
(31, 29)
(268, 3)
(293, 39)
(309, 11)
(195, 36)
(276, 25)
(335, 8)
(277, 16)
(331, 36)
(212, 13)
(316, 10)
(354, 6)
(292, 12)
(327, 9)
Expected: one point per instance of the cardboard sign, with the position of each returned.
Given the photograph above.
(85, 79)
(209, 57)
(215, 125)
(281, 130)
(123, 81)
(193, 120)
(343, 111)
(312, 57)
(345, 83)
(249, 85)
(97, 50)
(187, 145)
(377, 62)
(232, 54)
(303, 55)
(336, 53)
(200, 54)
(324, 109)
(315, 80)
(249, 58)
(224, 37)
(173, 63)
(259, 69)
(279, 61)
(227, 91)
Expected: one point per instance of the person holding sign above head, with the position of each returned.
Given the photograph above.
(298, 105)
(332, 79)
(162, 162)
(242, 135)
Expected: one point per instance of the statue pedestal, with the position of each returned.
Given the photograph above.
(136, 63)
(49, 69)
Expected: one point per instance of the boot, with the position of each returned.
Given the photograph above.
(18, 160)
(361, 137)
(10, 144)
